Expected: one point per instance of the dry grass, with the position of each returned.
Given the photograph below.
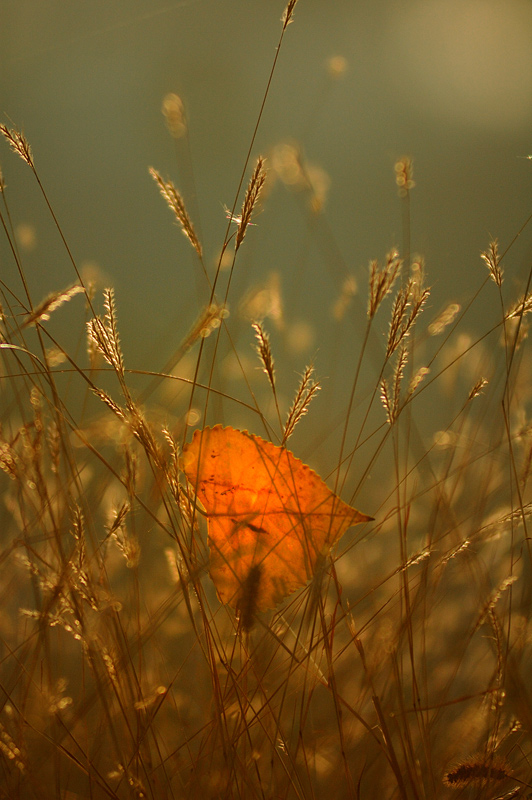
(401, 671)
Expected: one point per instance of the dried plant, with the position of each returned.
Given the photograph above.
(250, 200)
(110, 403)
(307, 389)
(104, 335)
(391, 398)
(128, 545)
(496, 595)
(477, 770)
(520, 307)
(492, 259)
(382, 280)
(175, 202)
(123, 673)
(265, 352)
(288, 13)
(407, 306)
(46, 307)
(18, 143)
(477, 388)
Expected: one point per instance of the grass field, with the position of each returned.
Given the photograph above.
(402, 668)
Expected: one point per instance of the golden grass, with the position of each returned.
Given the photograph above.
(401, 671)
(175, 202)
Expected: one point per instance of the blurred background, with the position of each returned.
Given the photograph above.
(358, 85)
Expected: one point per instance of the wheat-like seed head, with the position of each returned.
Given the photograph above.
(265, 352)
(492, 260)
(495, 597)
(387, 401)
(110, 403)
(307, 389)
(477, 388)
(104, 335)
(407, 306)
(391, 401)
(477, 770)
(402, 360)
(142, 431)
(382, 280)
(288, 13)
(126, 543)
(175, 202)
(46, 307)
(250, 200)
(520, 307)
(18, 143)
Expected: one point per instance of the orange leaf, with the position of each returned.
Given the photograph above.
(270, 517)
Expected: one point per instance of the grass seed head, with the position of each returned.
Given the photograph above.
(250, 200)
(18, 143)
(177, 205)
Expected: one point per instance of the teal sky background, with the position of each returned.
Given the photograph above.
(446, 82)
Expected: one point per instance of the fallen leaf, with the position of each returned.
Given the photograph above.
(270, 517)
